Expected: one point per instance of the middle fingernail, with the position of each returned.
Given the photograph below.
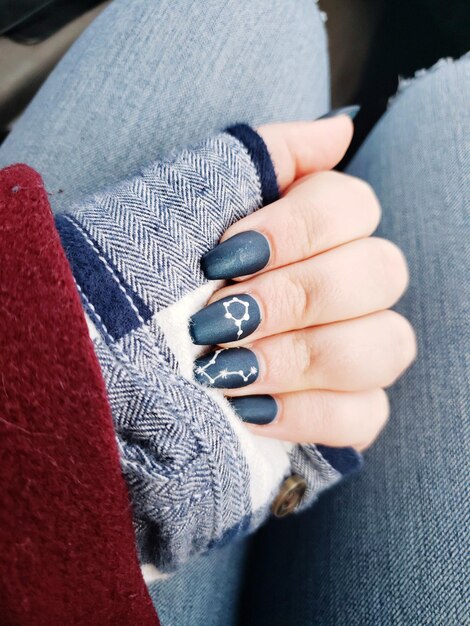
(229, 319)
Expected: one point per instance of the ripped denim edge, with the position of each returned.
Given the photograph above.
(404, 83)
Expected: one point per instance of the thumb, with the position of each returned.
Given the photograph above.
(301, 148)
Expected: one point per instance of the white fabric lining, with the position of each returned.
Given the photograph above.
(267, 459)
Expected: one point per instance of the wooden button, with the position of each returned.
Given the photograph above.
(290, 496)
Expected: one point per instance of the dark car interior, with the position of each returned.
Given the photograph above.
(372, 44)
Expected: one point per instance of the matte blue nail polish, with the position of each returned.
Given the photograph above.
(352, 111)
(229, 319)
(260, 410)
(227, 369)
(240, 255)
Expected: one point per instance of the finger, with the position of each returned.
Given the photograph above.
(353, 280)
(319, 212)
(300, 148)
(330, 418)
(360, 354)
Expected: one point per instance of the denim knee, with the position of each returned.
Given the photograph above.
(147, 78)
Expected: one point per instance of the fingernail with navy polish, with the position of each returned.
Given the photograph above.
(260, 410)
(229, 319)
(242, 254)
(352, 111)
(227, 369)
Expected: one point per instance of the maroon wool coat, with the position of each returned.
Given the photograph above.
(67, 549)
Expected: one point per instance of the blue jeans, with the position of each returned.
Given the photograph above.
(391, 545)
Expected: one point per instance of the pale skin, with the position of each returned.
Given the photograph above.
(327, 344)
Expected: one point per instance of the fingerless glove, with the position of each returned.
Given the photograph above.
(198, 478)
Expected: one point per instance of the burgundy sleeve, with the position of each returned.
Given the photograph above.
(67, 549)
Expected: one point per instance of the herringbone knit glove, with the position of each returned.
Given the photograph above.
(198, 477)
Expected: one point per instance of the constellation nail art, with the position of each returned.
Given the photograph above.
(227, 369)
(226, 320)
(238, 321)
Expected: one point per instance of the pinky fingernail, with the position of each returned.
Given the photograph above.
(260, 410)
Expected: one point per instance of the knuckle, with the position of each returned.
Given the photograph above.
(295, 297)
(322, 417)
(327, 416)
(378, 419)
(363, 188)
(297, 236)
(373, 211)
(331, 177)
(302, 217)
(382, 414)
(369, 201)
(304, 355)
(403, 345)
(392, 264)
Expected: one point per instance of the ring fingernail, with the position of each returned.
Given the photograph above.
(227, 369)
(242, 254)
(260, 409)
(229, 319)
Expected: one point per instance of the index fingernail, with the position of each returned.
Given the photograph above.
(241, 255)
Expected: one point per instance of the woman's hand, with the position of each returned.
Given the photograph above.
(309, 305)
(194, 472)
